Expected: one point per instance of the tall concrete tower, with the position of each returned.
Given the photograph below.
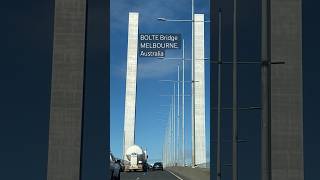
(282, 120)
(131, 82)
(67, 90)
(200, 132)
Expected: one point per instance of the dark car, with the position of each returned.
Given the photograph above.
(115, 168)
(157, 166)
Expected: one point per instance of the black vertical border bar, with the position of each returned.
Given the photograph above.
(103, 23)
(107, 25)
(213, 54)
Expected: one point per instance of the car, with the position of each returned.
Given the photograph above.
(157, 166)
(150, 166)
(115, 168)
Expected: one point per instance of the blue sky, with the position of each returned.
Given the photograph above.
(151, 117)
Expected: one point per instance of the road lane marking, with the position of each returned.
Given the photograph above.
(175, 175)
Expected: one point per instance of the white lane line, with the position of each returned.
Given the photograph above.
(175, 175)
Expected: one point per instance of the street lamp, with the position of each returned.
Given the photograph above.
(183, 95)
(183, 81)
(167, 144)
(173, 114)
(193, 72)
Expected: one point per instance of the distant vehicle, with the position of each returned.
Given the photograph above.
(157, 166)
(114, 168)
(150, 166)
(137, 159)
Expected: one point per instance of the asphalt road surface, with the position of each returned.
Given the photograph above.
(150, 175)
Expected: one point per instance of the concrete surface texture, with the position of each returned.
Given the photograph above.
(200, 139)
(131, 82)
(286, 91)
(67, 90)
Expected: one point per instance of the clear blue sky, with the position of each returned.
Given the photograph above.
(151, 117)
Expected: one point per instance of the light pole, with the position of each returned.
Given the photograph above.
(193, 89)
(167, 138)
(183, 151)
(171, 130)
(219, 105)
(193, 74)
(174, 123)
(182, 117)
(178, 118)
(166, 142)
(173, 119)
(183, 97)
(183, 59)
(235, 98)
(170, 133)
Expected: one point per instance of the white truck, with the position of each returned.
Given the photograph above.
(137, 159)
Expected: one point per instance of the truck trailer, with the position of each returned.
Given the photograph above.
(137, 159)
